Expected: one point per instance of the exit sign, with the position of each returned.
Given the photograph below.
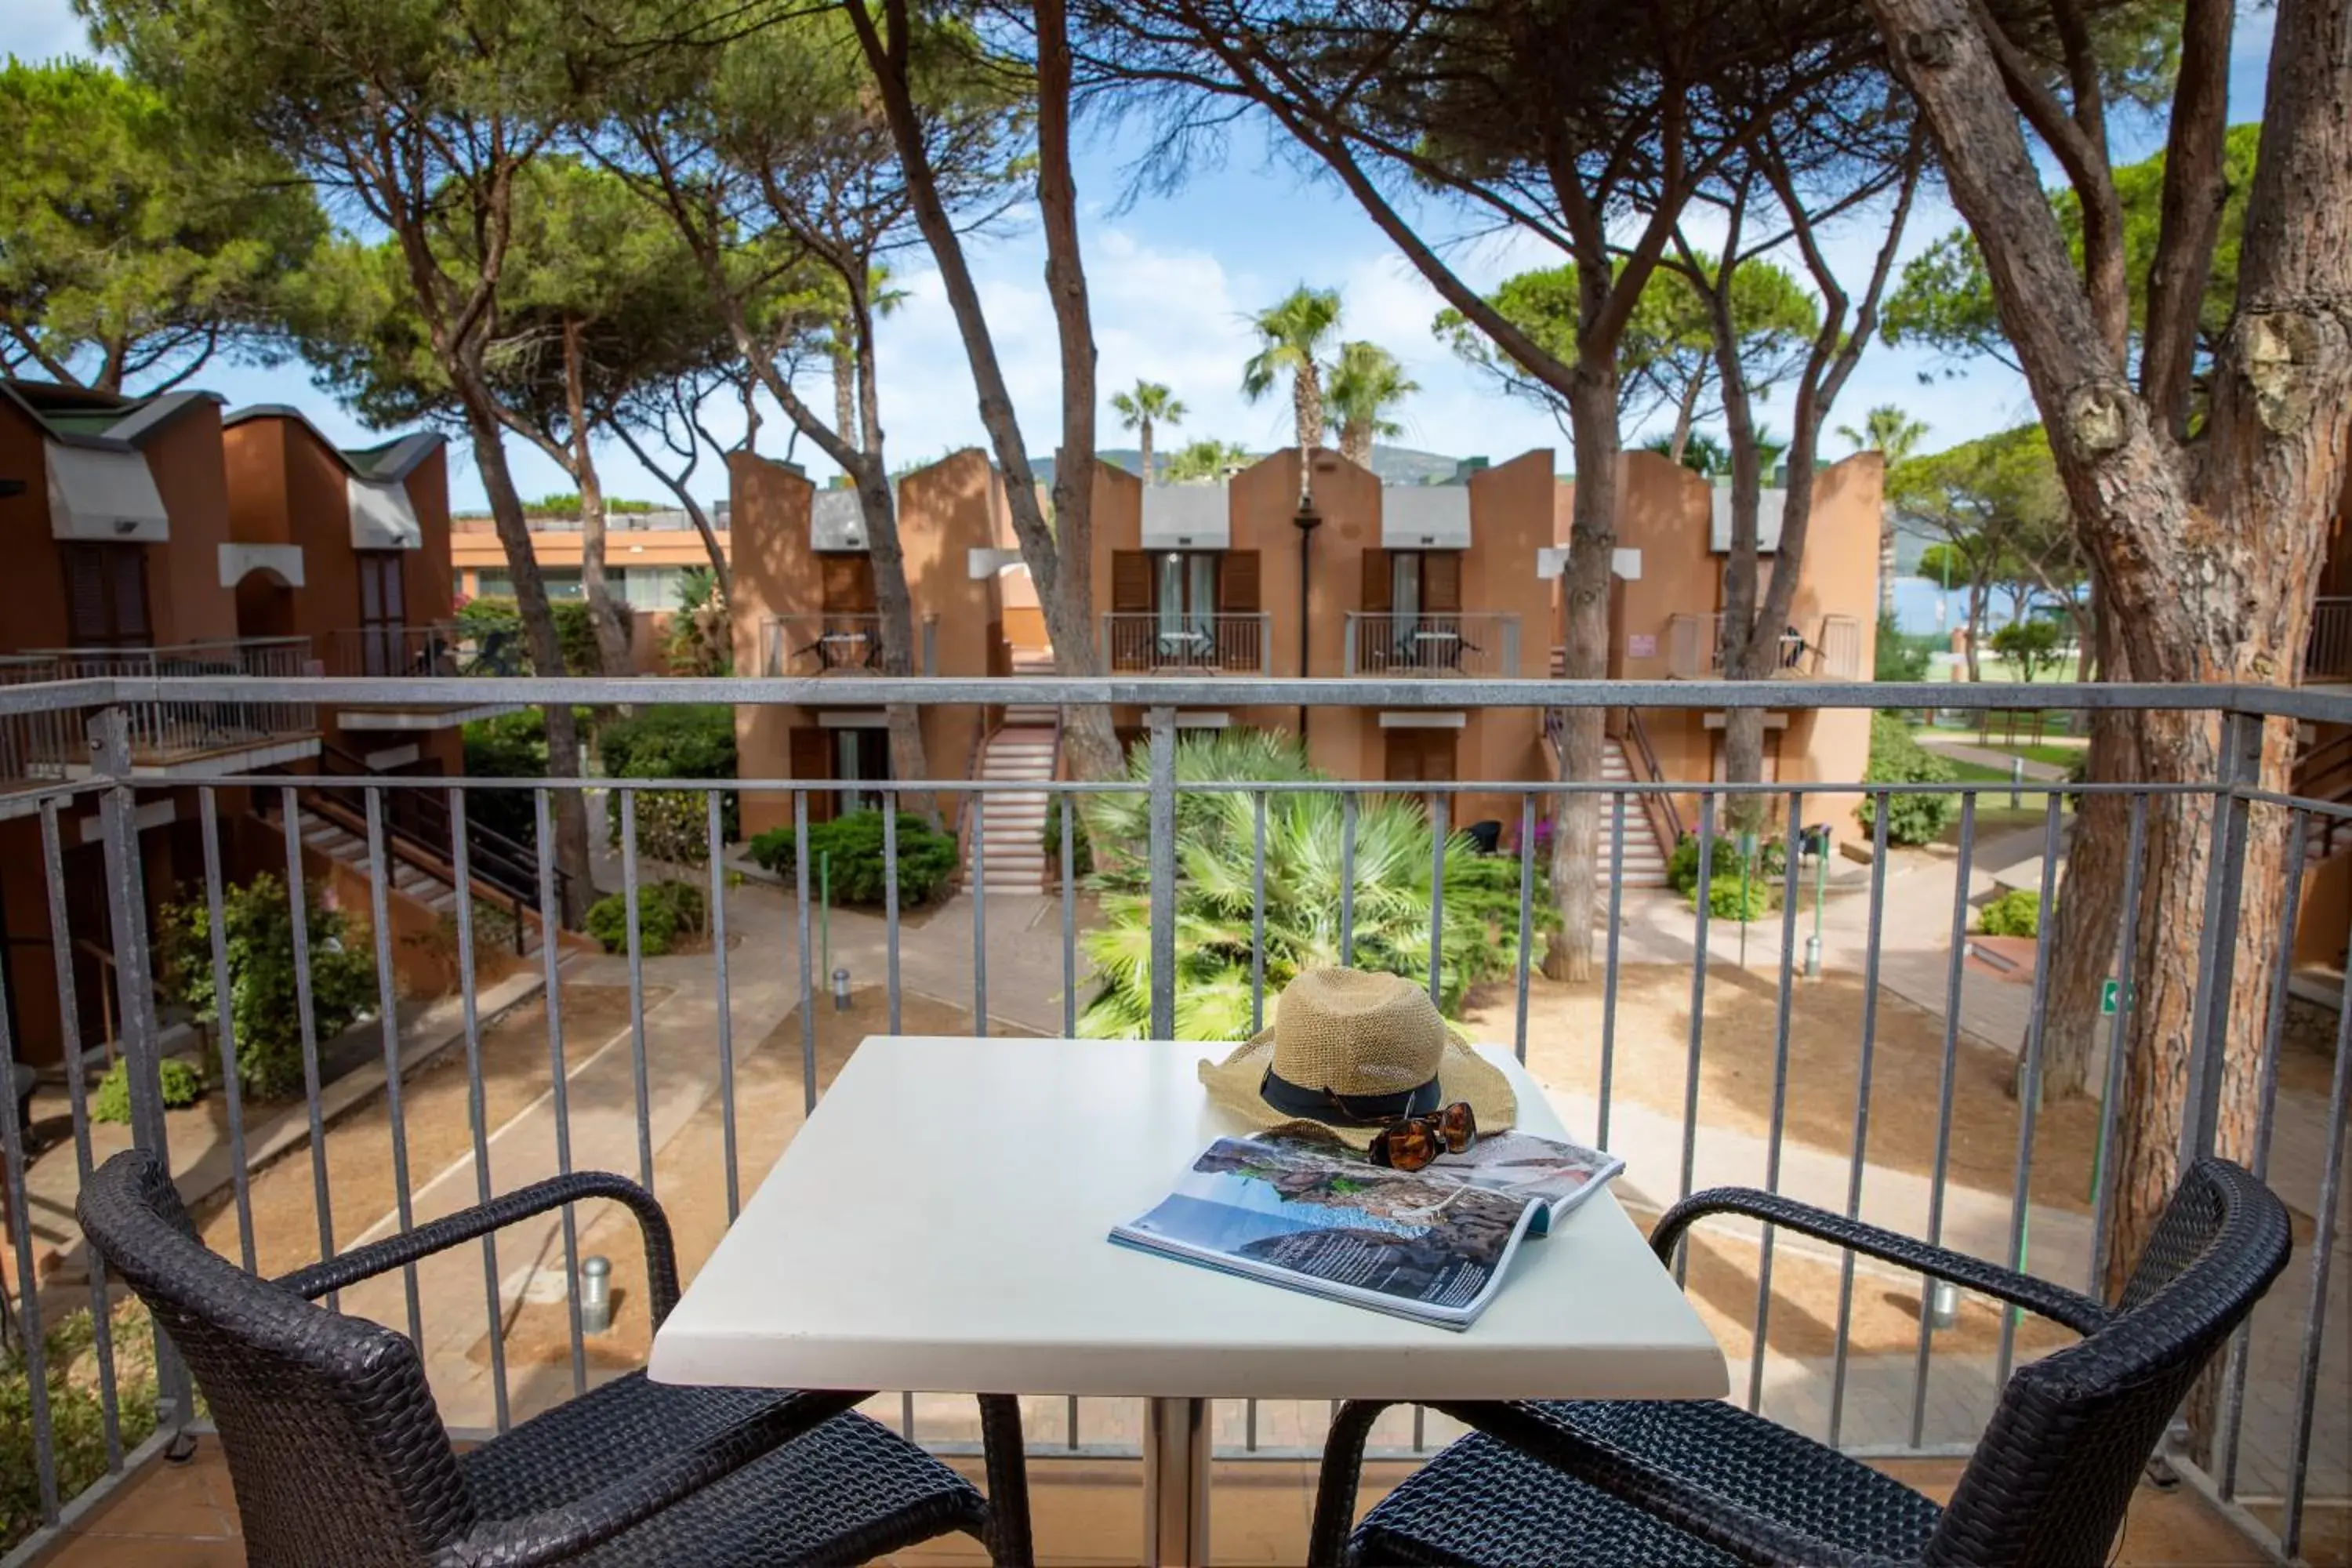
(2108, 995)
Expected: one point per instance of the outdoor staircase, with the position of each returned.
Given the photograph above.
(338, 842)
(1011, 825)
(1645, 863)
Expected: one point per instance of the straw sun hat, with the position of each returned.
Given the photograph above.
(1349, 1053)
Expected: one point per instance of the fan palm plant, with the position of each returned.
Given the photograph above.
(1292, 334)
(1360, 386)
(1216, 896)
(1148, 404)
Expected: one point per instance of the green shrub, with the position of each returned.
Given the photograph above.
(666, 910)
(696, 741)
(506, 746)
(1901, 655)
(927, 857)
(1731, 899)
(184, 1085)
(2017, 912)
(1082, 850)
(76, 1416)
(1729, 863)
(575, 633)
(259, 937)
(1897, 758)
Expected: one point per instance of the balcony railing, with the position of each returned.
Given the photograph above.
(32, 745)
(2328, 655)
(168, 730)
(1895, 1118)
(444, 648)
(1145, 643)
(836, 645)
(1833, 651)
(1455, 643)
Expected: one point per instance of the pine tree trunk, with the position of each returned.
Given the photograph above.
(611, 641)
(1593, 542)
(844, 400)
(571, 847)
(894, 608)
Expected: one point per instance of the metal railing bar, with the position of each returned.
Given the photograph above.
(2111, 1092)
(388, 1023)
(1946, 1082)
(2029, 1097)
(2233, 1375)
(478, 1110)
(1784, 999)
(632, 905)
(1704, 892)
(980, 923)
(890, 903)
(1608, 972)
(1258, 939)
(1066, 812)
(225, 1024)
(78, 1103)
(2315, 1323)
(1437, 825)
(2239, 759)
(1876, 921)
(1175, 690)
(714, 844)
(1526, 937)
(808, 989)
(1347, 879)
(33, 1352)
(1162, 723)
(298, 899)
(558, 1088)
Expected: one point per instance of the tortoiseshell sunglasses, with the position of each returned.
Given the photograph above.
(1413, 1142)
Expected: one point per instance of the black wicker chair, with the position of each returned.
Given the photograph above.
(338, 1456)
(1704, 1485)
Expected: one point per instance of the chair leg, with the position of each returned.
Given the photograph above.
(1335, 1488)
(1001, 1439)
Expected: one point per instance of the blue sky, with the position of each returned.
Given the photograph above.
(1173, 278)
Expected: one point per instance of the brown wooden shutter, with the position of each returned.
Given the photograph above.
(1377, 584)
(1441, 582)
(1237, 582)
(811, 758)
(130, 622)
(1130, 583)
(847, 583)
(106, 595)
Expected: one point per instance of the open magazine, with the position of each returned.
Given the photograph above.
(1431, 1245)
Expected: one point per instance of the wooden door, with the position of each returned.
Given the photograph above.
(811, 758)
(384, 613)
(846, 582)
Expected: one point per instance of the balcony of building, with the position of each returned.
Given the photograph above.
(1222, 642)
(1874, 1077)
(1831, 649)
(173, 736)
(443, 652)
(1438, 644)
(831, 643)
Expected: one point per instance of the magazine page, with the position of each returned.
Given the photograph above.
(1432, 1249)
(1561, 1175)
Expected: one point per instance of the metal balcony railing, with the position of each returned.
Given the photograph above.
(1455, 643)
(2328, 655)
(32, 745)
(1147, 643)
(836, 645)
(442, 649)
(1686, 1111)
(170, 730)
(1834, 650)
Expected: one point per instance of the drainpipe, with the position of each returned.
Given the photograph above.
(1307, 522)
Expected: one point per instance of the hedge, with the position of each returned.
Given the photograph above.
(1897, 758)
(927, 857)
(666, 912)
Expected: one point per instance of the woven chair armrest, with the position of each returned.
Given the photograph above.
(559, 1533)
(2055, 1302)
(1729, 1527)
(346, 1268)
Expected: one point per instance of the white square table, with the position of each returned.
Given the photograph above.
(941, 1225)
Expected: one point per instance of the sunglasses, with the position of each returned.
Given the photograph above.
(1413, 1142)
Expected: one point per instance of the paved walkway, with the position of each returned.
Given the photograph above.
(1964, 751)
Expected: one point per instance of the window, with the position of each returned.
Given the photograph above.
(651, 587)
(106, 595)
(1187, 595)
(862, 755)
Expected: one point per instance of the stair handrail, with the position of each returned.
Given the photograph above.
(2324, 773)
(1666, 818)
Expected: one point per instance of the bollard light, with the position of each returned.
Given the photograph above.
(1943, 1304)
(840, 989)
(595, 1294)
(2016, 781)
(1813, 956)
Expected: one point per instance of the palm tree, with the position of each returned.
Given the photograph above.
(1216, 833)
(1895, 435)
(1363, 383)
(1207, 459)
(1148, 405)
(1292, 334)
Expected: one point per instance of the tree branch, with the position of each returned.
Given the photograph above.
(2189, 225)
